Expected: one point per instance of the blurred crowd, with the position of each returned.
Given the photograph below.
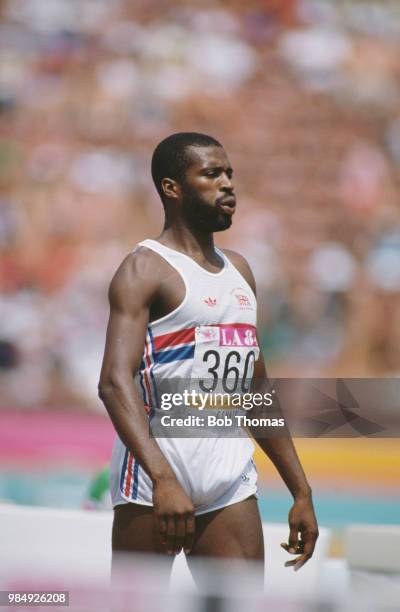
(305, 97)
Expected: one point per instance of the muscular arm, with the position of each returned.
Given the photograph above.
(132, 291)
(280, 449)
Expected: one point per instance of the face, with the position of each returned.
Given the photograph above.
(208, 199)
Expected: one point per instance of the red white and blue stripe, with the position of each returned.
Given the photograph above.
(175, 346)
(166, 348)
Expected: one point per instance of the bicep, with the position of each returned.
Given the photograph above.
(130, 296)
(124, 341)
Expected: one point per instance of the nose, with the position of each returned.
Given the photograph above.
(226, 183)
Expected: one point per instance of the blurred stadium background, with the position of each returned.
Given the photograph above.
(305, 97)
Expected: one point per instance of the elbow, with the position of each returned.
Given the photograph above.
(107, 386)
(102, 390)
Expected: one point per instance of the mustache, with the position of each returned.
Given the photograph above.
(227, 198)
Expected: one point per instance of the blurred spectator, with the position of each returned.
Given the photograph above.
(303, 94)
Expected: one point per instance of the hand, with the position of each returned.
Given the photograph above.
(174, 512)
(301, 520)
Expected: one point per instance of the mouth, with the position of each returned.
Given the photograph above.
(228, 205)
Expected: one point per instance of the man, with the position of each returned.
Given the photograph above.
(174, 304)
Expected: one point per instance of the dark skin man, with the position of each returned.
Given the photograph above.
(146, 288)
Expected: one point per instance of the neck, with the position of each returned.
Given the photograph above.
(189, 241)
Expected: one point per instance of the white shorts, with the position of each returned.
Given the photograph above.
(240, 489)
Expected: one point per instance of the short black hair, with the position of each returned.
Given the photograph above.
(170, 158)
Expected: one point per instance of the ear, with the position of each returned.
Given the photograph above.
(171, 188)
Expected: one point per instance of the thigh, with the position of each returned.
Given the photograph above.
(233, 532)
(135, 530)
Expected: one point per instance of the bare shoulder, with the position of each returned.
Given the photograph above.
(242, 265)
(137, 279)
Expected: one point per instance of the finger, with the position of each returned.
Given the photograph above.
(162, 526)
(285, 546)
(190, 533)
(179, 534)
(299, 548)
(309, 539)
(301, 561)
(291, 562)
(293, 538)
(170, 543)
(298, 562)
(308, 545)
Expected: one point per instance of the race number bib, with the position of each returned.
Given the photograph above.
(224, 358)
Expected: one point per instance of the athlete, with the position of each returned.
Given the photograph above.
(177, 305)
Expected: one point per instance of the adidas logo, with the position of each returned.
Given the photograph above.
(211, 301)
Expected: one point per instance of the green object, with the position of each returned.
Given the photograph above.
(99, 485)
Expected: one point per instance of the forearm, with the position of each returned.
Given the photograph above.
(127, 413)
(283, 455)
(277, 444)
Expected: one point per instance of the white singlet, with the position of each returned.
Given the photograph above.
(213, 329)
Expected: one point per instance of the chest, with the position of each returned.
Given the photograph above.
(208, 299)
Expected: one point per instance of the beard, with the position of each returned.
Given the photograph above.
(202, 216)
